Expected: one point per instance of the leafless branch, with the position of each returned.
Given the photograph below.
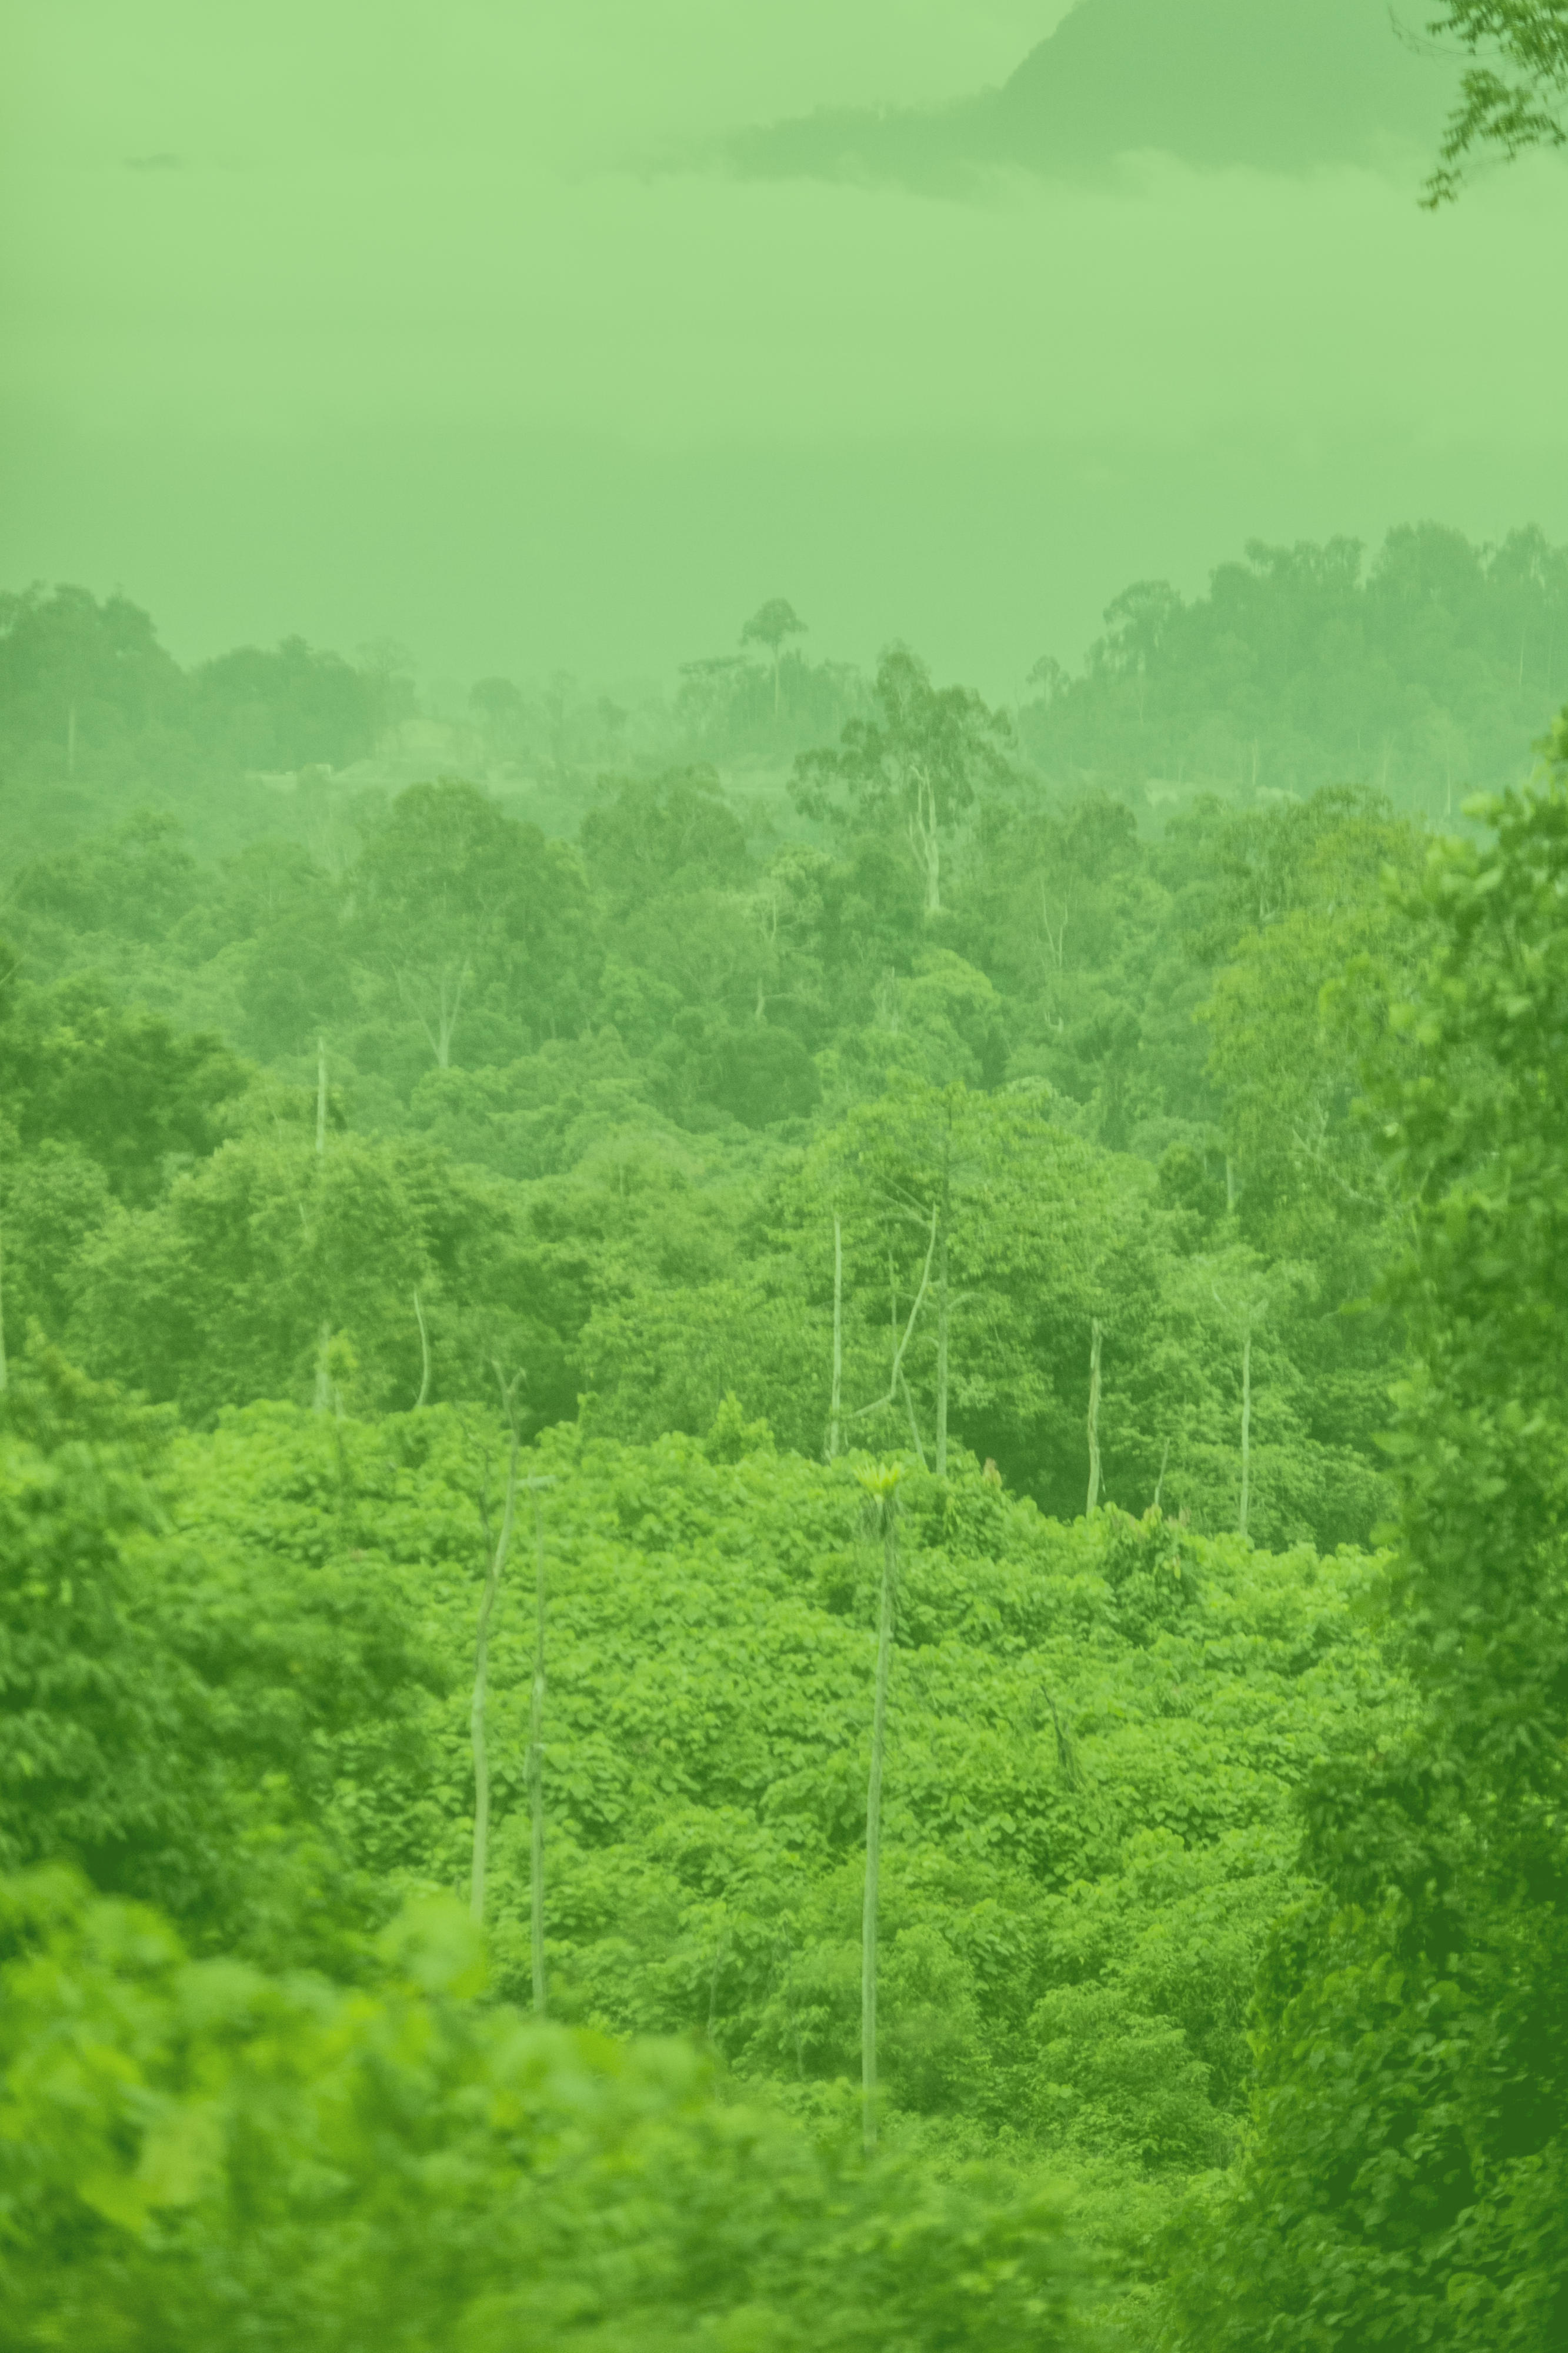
(878, 1404)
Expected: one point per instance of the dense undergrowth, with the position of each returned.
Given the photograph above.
(1095, 1735)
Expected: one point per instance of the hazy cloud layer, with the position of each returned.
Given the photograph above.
(404, 332)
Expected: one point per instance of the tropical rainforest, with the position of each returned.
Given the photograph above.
(782, 1455)
(782, 1485)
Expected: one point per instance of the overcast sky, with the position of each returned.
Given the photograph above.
(431, 321)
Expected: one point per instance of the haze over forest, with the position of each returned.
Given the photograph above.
(526, 347)
(783, 1180)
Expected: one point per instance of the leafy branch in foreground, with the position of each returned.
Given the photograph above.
(1512, 112)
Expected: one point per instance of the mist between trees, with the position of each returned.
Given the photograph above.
(779, 1494)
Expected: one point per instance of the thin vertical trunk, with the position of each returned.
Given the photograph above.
(914, 1425)
(1160, 1481)
(4, 1372)
(1245, 1425)
(536, 1766)
(481, 1684)
(424, 1354)
(70, 741)
(1229, 1185)
(933, 854)
(941, 1360)
(925, 839)
(836, 1409)
(451, 1002)
(1096, 1340)
(721, 1943)
(322, 1399)
(874, 1827)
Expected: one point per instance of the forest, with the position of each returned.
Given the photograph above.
(781, 1480)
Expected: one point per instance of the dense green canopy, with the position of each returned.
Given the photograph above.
(908, 1422)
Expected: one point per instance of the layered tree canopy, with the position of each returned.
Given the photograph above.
(778, 1545)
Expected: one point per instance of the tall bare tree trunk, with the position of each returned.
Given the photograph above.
(324, 1397)
(915, 1439)
(874, 1826)
(481, 1684)
(1096, 1339)
(424, 1352)
(1245, 1425)
(836, 1409)
(536, 1765)
(451, 1005)
(925, 839)
(932, 843)
(941, 1360)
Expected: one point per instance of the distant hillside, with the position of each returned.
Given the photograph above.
(97, 718)
(1427, 674)
(1278, 84)
(1424, 673)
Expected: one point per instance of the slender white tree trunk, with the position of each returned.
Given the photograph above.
(323, 1401)
(925, 839)
(536, 1765)
(1245, 1425)
(423, 1396)
(1096, 1340)
(481, 1684)
(836, 1409)
(451, 1004)
(941, 1361)
(915, 1438)
(874, 1827)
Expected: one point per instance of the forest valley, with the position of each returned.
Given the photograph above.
(781, 1489)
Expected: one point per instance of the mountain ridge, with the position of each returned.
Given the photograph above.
(1281, 85)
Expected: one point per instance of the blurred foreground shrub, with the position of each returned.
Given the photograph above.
(196, 2154)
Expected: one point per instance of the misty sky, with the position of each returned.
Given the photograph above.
(444, 323)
